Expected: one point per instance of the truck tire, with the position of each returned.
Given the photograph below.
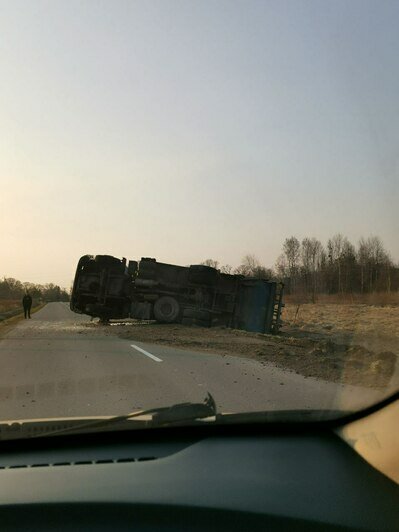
(166, 309)
(200, 274)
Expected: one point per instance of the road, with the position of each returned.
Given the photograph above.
(54, 365)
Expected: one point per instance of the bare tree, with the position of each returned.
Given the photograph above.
(211, 262)
(312, 254)
(375, 265)
(339, 269)
(226, 268)
(334, 248)
(348, 266)
(342, 260)
(291, 248)
(251, 267)
(363, 256)
(13, 289)
(281, 267)
(379, 260)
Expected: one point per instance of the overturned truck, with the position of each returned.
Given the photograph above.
(110, 288)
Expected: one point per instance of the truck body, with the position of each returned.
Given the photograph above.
(111, 288)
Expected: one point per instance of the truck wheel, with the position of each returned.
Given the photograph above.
(166, 309)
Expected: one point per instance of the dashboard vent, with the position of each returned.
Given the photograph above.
(81, 462)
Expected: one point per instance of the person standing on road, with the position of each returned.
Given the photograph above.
(27, 304)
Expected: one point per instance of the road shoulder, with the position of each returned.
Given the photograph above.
(7, 325)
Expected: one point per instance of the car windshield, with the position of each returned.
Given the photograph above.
(199, 212)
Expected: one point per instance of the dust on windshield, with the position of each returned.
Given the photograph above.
(198, 199)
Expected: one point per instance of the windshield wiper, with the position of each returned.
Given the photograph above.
(180, 413)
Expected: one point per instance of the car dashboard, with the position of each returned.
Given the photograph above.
(162, 479)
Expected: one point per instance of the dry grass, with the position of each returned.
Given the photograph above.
(378, 299)
(374, 327)
(9, 304)
(362, 339)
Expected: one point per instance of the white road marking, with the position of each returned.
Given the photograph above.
(146, 353)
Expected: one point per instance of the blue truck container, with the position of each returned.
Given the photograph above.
(256, 305)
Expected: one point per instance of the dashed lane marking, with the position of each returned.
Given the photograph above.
(146, 353)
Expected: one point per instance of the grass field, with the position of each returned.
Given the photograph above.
(374, 327)
(380, 299)
(355, 343)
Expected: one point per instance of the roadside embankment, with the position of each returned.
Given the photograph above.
(10, 317)
(356, 346)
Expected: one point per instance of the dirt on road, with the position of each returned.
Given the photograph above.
(13, 315)
(349, 344)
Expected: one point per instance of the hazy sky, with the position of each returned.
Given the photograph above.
(185, 130)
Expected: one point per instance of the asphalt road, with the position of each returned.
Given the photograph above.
(53, 366)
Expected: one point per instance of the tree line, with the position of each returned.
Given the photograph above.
(338, 267)
(11, 288)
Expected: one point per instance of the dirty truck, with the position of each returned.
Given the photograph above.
(110, 289)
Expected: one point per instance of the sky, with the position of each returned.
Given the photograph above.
(187, 130)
